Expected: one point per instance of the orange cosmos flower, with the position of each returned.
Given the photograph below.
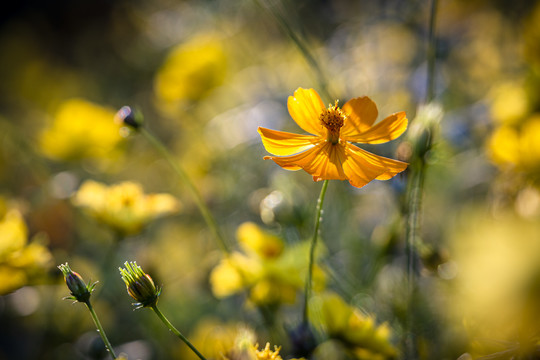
(329, 154)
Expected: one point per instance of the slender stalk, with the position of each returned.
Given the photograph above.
(413, 225)
(300, 44)
(100, 329)
(274, 329)
(176, 332)
(431, 53)
(415, 203)
(207, 215)
(415, 191)
(308, 286)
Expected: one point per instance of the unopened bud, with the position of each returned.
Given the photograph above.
(140, 285)
(423, 129)
(127, 116)
(80, 291)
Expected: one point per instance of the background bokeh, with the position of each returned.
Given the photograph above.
(206, 74)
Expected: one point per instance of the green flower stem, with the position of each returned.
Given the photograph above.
(176, 332)
(100, 329)
(414, 203)
(431, 53)
(312, 250)
(414, 198)
(210, 221)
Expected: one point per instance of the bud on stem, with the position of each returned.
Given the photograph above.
(140, 285)
(80, 291)
(127, 116)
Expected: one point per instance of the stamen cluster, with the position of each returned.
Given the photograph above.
(333, 119)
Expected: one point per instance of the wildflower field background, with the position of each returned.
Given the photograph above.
(442, 261)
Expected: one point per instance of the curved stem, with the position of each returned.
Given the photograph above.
(100, 329)
(210, 221)
(312, 250)
(271, 7)
(176, 332)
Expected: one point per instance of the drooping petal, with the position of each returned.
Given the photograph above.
(323, 161)
(284, 143)
(362, 113)
(305, 106)
(295, 162)
(361, 166)
(330, 165)
(388, 129)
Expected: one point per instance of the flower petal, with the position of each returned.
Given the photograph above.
(323, 161)
(362, 113)
(284, 143)
(361, 166)
(388, 129)
(330, 165)
(305, 107)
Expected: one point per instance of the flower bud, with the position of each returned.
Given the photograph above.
(423, 129)
(127, 116)
(80, 291)
(140, 285)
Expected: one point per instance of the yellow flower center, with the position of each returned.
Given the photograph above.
(267, 354)
(333, 119)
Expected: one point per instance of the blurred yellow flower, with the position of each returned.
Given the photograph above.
(348, 324)
(124, 206)
(510, 103)
(495, 295)
(253, 239)
(271, 272)
(20, 262)
(329, 154)
(227, 341)
(191, 70)
(518, 148)
(266, 353)
(220, 341)
(79, 130)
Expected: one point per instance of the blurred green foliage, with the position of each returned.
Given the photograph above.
(206, 74)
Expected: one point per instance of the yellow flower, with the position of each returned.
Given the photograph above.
(20, 261)
(230, 275)
(81, 129)
(504, 247)
(510, 104)
(271, 277)
(348, 324)
(518, 148)
(329, 154)
(504, 146)
(14, 234)
(124, 206)
(191, 70)
(253, 239)
(266, 353)
(220, 341)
